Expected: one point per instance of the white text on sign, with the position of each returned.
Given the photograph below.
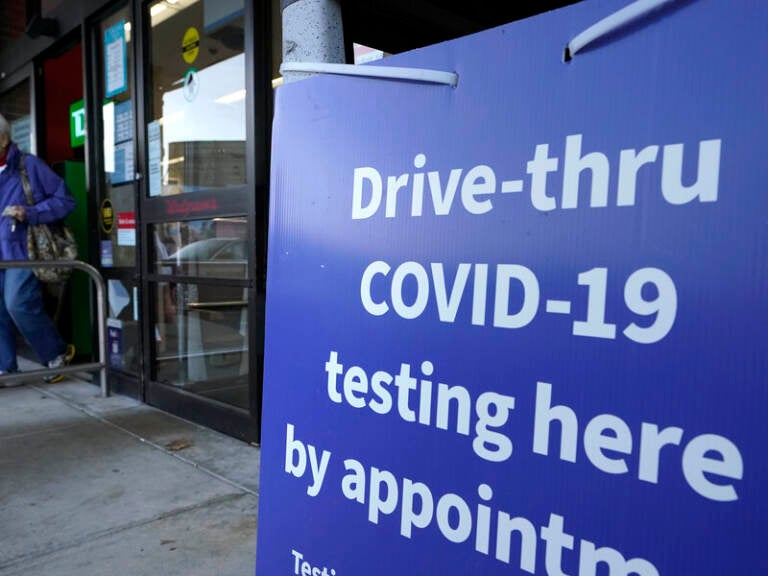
(417, 193)
(709, 462)
(382, 293)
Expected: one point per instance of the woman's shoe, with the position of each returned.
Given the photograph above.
(60, 361)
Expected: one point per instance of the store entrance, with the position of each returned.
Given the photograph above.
(174, 190)
(197, 217)
(114, 191)
(61, 139)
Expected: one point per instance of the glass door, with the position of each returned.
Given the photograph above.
(114, 149)
(198, 209)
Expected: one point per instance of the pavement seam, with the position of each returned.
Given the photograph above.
(39, 431)
(146, 441)
(36, 557)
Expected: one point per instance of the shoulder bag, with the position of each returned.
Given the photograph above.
(48, 242)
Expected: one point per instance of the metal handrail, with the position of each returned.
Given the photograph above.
(101, 307)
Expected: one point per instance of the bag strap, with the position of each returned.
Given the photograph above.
(25, 181)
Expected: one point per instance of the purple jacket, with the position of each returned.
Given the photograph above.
(52, 201)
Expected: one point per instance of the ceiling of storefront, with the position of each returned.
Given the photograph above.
(391, 26)
(399, 25)
(12, 21)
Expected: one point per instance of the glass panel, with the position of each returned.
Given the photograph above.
(117, 213)
(15, 106)
(201, 340)
(123, 326)
(212, 248)
(196, 138)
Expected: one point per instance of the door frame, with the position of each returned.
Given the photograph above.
(251, 201)
(121, 381)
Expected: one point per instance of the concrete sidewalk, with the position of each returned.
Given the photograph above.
(99, 486)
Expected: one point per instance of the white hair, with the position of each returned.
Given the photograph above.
(5, 128)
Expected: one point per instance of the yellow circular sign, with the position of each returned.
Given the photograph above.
(190, 45)
(107, 216)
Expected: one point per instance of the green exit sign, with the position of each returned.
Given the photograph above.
(77, 124)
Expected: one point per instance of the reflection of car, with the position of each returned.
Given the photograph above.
(212, 257)
(206, 336)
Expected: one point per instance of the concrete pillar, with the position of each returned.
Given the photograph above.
(312, 32)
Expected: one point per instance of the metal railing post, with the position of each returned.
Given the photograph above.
(101, 305)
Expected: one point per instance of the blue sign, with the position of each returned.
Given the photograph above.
(115, 60)
(518, 326)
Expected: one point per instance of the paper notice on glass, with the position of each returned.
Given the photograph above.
(123, 121)
(126, 229)
(115, 60)
(118, 297)
(123, 171)
(107, 257)
(115, 342)
(155, 157)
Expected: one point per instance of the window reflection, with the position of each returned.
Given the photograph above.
(15, 106)
(196, 139)
(201, 341)
(122, 326)
(215, 248)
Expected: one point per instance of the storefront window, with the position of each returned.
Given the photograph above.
(213, 248)
(15, 106)
(123, 325)
(196, 135)
(201, 340)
